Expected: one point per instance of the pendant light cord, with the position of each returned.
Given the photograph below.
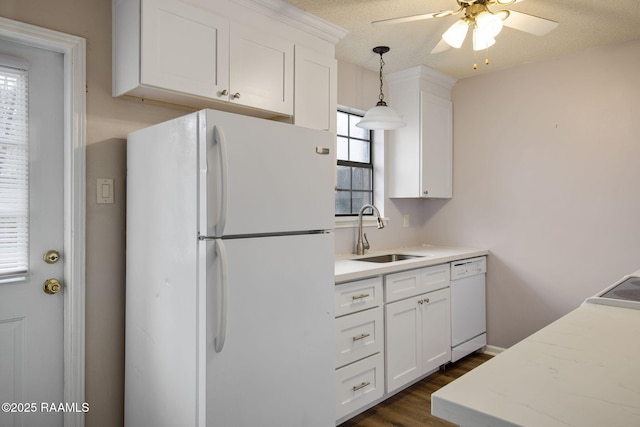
(381, 96)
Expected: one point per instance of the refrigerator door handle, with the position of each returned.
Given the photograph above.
(221, 330)
(219, 140)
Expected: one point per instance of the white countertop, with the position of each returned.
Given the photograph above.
(347, 269)
(582, 370)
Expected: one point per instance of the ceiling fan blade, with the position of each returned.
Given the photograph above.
(440, 47)
(529, 23)
(406, 19)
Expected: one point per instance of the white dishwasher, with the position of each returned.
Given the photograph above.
(468, 306)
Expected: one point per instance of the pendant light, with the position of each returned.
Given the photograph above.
(381, 116)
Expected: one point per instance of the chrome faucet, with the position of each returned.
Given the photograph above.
(363, 243)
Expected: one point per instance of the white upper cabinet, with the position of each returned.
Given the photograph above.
(236, 56)
(315, 89)
(184, 49)
(261, 70)
(421, 153)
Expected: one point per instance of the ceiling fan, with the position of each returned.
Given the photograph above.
(485, 23)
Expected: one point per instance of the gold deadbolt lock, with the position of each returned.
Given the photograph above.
(51, 257)
(52, 286)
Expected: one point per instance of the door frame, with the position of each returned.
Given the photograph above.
(73, 49)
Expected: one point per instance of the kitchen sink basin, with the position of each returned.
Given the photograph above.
(388, 258)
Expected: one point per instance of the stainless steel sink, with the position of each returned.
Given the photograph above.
(388, 258)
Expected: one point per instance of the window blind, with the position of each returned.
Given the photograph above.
(14, 175)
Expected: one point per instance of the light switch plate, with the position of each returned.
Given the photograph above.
(104, 190)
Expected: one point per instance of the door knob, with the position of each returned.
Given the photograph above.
(51, 257)
(52, 286)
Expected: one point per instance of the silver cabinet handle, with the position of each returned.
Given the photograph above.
(358, 387)
(361, 336)
(223, 92)
(236, 95)
(356, 297)
(423, 301)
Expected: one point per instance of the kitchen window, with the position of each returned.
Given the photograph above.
(355, 165)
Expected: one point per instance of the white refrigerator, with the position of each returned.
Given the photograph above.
(229, 297)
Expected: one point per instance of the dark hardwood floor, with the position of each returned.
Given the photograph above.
(412, 406)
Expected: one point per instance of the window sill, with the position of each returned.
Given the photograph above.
(352, 221)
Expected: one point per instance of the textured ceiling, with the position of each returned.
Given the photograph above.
(583, 24)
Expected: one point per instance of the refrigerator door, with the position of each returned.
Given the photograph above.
(263, 177)
(276, 365)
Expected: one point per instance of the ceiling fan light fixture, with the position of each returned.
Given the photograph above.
(489, 23)
(381, 117)
(456, 34)
(482, 39)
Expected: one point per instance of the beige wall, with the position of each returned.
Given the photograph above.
(108, 122)
(546, 177)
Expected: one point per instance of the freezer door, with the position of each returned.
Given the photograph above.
(275, 367)
(258, 176)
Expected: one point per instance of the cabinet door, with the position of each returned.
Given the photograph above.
(315, 90)
(261, 70)
(403, 342)
(437, 146)
(184, 49)
(436, 323)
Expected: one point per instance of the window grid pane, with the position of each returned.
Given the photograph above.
(355, 166)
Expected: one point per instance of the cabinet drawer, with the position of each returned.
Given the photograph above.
(356, 296)
(359, 384)
(406, 284)
(359, 335)
(435, 277)
(402, 285)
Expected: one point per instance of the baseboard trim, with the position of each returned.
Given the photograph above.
(493, 350)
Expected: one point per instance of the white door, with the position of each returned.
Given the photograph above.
(31, 321)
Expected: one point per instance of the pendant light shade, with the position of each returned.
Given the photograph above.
(381, 117)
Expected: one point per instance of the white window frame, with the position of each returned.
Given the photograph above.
(378, 152)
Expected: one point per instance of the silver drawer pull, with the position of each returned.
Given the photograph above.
(356, 297)
(358, 387)
(361, 336)
(423, 301)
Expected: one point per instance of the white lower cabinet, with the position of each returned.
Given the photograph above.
(383, 346)
(418, 338)
(358, 336)
(359, 384)
(359, 332)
